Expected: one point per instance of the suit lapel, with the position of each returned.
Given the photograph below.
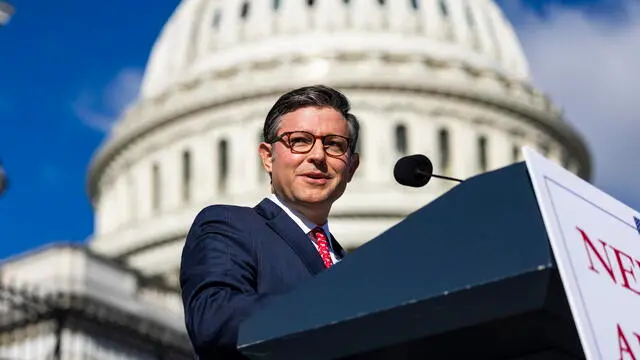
(289, 231)
(337, 249)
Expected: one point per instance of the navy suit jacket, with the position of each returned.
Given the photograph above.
(234, 260)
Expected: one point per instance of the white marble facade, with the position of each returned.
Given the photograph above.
(63, 299)
(445, 78)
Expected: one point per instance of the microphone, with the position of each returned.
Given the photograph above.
(416, 171)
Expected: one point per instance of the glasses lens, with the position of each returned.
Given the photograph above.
(336, 145)
(300, 141)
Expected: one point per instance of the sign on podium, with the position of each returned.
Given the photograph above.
(596, 243)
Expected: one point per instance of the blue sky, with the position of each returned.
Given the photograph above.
(52, 54)
(62, 64)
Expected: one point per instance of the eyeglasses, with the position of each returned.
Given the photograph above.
(301, 142)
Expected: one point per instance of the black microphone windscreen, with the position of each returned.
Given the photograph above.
(413, 170)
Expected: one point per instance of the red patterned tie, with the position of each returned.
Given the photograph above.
(323, 246)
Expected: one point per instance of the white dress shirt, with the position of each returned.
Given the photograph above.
(306, 225)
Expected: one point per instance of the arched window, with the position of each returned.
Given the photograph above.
(155, 187)
(186, 176)
(217, 17)
(401, 139)
(415, 4)
(545, 149)
(444, 9)
(483, 162)
(515, 153)
(471, 21)
(223, 164)
(310, 3)
(443, 145)
(276, 4)
(244, 10)
(564, 159)
(381, 2)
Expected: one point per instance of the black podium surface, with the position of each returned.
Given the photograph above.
(469, 276)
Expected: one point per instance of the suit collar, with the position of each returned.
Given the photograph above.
(290, 232)
(267, 209)
(337, 249)
(305, 224)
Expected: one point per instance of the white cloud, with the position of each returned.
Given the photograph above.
(102, 110)
(591, 68)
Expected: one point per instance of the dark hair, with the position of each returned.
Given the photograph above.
(317, 95)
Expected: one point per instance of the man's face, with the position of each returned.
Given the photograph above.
(314, 178)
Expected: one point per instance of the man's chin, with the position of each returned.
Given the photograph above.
(314, 198)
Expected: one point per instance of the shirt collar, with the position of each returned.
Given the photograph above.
(305, 224)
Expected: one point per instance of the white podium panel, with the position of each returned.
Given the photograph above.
(596, 243)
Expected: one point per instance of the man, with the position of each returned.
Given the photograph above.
(237, 258)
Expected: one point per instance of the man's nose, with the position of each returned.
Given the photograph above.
(317, 151)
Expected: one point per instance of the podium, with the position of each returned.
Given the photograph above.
(471, 275)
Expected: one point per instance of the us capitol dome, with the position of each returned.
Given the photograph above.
(446, 78)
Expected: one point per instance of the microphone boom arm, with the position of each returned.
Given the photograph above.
(446, 177)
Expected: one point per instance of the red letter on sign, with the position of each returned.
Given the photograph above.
(623, 345)
(589, 245)
(626, 271)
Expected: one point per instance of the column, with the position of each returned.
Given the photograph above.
(463, 149)
(500, 149)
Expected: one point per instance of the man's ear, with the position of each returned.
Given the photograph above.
(354, 162)
(265, 151)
